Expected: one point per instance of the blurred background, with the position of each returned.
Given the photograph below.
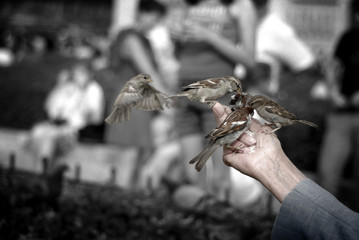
(62, 180)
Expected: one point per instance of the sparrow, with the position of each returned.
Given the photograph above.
(208, 90)
(239, 100)
(136, 93)
(235, 124)
(274, 113)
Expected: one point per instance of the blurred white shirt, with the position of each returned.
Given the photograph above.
(78, 106)
(6, 57)
(278, 45)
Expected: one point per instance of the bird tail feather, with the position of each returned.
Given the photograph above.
(308, 123)
(203, 156)
(177, 95)
(118, 115)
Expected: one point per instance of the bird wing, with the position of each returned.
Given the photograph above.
(152, 99)
(234, 122)
(275, 108)
(128, 96)
(212, 83)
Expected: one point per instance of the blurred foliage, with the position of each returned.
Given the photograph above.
(88, 211)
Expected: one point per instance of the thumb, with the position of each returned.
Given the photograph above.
(220, 112)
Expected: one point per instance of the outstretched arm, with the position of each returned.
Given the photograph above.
(265, 162)
(308, 211)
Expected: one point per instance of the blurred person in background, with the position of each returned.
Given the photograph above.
(131, 53)
(76, 42)
(341, 136)
(39, 45)
(76, 101)
(292, 71)
(163, 164)
(279, 46)
(211, 37)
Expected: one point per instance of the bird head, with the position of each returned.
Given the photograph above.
(144, 77)
(235, 84)
(256, 101)
(239, 100)
(247, 111)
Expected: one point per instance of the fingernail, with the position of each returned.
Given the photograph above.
(251, 140)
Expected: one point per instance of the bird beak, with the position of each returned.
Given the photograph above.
(239, 91)
(149, 80)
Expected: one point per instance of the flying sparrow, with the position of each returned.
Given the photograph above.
(274, 113)
(236, 123)
(136, 93)
(208, 90)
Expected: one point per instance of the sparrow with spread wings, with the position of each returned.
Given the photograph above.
(139, 94)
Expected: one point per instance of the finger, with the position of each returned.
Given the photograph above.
(233, 160)
(238, 144)
(247, 139)
(226, 160)
(263, 132)
(268, 130)
(248, 150)
(220, 112)
(255, 126)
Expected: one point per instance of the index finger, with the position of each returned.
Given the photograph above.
(220, 112)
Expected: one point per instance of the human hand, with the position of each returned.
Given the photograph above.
(262, 157)
(257, 146)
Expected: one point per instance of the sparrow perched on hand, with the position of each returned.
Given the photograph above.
(239, 100)
(136, 93)
(235, 124)
(275, 113)
(208, 90)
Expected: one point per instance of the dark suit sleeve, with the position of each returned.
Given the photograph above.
(310, 212)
